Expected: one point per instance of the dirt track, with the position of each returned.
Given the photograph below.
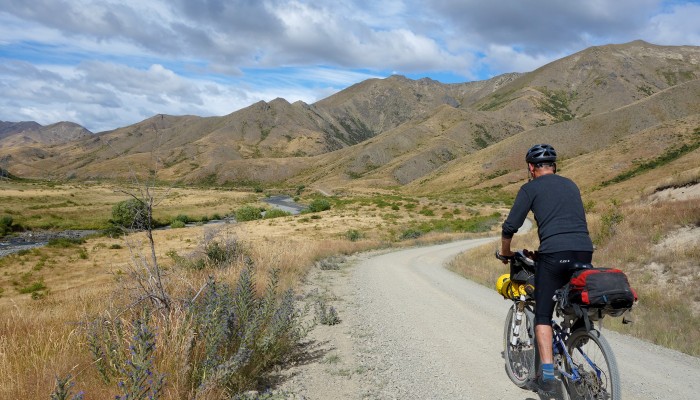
(413, 330)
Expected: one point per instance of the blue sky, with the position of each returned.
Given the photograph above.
(110, 63)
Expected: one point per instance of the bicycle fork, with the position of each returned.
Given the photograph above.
(516, 324)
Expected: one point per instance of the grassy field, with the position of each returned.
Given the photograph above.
(52, 295)
(40, 205)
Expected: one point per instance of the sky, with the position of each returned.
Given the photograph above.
(106, 64)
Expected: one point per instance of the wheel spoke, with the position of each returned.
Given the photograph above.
(592, 357)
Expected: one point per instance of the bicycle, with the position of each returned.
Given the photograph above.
(583, 358)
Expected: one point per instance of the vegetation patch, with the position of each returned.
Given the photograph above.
(667, 157)
(318, 205)
(474, 225)
(497, 100)
(353, 235)
(556, 104)
(6, 225)
(276, 213)
(248, 213)
(482, 137)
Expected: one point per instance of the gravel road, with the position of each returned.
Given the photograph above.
(414, 330)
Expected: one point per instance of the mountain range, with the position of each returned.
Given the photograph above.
(606, 109)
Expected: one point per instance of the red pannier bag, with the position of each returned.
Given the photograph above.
(604, 289)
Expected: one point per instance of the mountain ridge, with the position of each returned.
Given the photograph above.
(399, 132)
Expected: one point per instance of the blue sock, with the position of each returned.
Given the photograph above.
(547, 372)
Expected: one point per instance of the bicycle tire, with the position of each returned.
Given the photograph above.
(590, 386)
(520, 358)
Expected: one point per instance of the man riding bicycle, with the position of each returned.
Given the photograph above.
(564, 240)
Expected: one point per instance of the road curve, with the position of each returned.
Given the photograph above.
(435, 335)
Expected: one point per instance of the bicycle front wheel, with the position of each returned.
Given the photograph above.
(519, 346)
(596, 365)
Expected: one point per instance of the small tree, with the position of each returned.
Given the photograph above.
(319, 205)
(248, 213)
(5, 225)
(132, 214)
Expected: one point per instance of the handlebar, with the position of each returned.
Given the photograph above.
(518, 257)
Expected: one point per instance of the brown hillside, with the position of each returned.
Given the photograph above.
(428, 136)
(593, 81)
(33, 134)
(656, 124)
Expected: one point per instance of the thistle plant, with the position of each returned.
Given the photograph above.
(326, 315)
(130, 360)
(63, 389)
(239, 335)
(140, 380)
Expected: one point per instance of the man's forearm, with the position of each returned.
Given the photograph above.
(505, 247)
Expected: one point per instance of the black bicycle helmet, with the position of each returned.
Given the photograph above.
(541, 153)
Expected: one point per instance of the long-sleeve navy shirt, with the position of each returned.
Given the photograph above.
(561, 219)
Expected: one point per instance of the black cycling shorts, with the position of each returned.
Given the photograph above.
(552, 272)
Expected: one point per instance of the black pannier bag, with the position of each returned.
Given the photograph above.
(601, 291)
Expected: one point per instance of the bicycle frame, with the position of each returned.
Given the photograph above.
(559, 348)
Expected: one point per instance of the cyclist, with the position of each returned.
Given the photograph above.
(564, 239)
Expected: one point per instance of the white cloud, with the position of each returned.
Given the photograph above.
(503, 59)
(679, 26)
(109, 63)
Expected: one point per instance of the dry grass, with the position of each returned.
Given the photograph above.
(89, 206)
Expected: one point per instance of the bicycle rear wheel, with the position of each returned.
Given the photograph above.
(519, 347)
(595, 361)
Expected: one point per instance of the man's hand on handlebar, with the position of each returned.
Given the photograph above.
(504, 259)
(530, 254)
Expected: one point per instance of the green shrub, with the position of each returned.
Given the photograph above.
(276, 213)
(177, 224)
(115, 246)
(248, 213)
(131, 214)
(182, 218)
(319, 205)
(353, 235)
(34, 287)
(5, 225)
(427, 212)
(411, 234)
